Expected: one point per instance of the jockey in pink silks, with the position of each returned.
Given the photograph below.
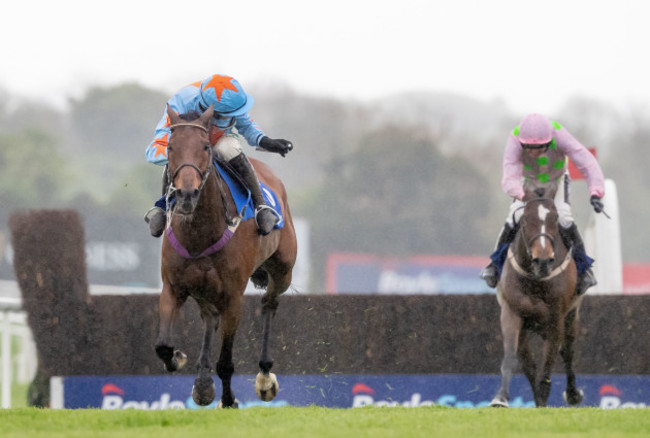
(231, 105)
(536, 153)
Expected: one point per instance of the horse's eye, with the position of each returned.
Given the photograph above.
(206, 147)
(169, 149)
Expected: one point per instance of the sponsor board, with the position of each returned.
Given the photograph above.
(342, 391)
(351, 273)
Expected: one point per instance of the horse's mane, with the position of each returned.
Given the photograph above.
(190, 115)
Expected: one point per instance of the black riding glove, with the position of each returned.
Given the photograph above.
(597, 204)
(280, 146)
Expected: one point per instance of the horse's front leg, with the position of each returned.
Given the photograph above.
(549, 354)
(225, 366)
(573, 396)
(510, 326)
(203, 391)
(168, 308)
(527, 362)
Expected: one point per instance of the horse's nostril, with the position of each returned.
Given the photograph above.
(186, 195)
(195, 193)
(536, 260)
(551, 261)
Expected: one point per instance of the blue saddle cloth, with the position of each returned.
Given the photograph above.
(583, 261)
(242, 197)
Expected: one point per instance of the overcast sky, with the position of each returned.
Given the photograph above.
(531, 54)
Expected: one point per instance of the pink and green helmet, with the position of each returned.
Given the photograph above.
(535, 129)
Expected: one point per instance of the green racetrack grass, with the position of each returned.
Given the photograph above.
(326, 422)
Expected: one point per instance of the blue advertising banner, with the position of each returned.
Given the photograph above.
(342, 391)
(351, 273)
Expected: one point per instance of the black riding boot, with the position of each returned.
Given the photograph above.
(490, 273)
(571, 238)
(156, 216)
(264, 215)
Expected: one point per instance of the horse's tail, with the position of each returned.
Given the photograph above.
(260, 278)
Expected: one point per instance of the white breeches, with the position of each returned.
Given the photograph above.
(228, 147)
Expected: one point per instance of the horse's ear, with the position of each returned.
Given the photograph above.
(207, 115)
(173, 117)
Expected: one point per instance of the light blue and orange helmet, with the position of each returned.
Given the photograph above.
(535, 129)
(226, 94)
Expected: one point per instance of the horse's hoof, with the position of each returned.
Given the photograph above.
(180, 358)
(266, 386)
(203, 392)
(575, 398)
(235, 405)
(498, 403)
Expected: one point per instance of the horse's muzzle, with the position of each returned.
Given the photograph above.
(186, 200)
(542, 267)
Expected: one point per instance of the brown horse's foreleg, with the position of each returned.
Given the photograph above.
(549, 354)
(573, 396)
(511, 324)
(527, 362)
(225, 366)
(203, 391)
(168, 308)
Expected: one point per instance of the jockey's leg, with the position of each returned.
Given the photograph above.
(506, 236)
(156, 216)
(264, 216)
(229, 149)
(571, 238)
(490, 273)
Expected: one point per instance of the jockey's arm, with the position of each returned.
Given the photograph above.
(584, 161)
(512, 168)
(250, 130)
(180, 102)
(156, 152)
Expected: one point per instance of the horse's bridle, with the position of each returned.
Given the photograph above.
(203, 174)
(232, 224)
(528, 243)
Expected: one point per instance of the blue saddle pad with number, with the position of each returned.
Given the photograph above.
(241, 196)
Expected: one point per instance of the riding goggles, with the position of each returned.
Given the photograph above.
(536, 146)
(223, 122)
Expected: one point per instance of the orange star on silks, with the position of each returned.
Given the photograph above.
(220, 83)
(161, 146)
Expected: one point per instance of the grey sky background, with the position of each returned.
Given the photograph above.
(532, 55)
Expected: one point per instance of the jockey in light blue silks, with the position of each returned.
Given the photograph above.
(536, 153)
(231, 105)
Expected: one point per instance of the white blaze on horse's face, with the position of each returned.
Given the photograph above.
(543, 212)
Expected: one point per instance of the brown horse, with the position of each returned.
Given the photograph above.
(209, 254)
(537, 295)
